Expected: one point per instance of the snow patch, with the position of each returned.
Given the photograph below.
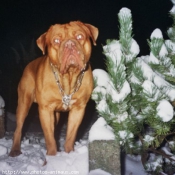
(124, 135)
(135, 49)
(134, 165)
(156, 34)
(173, 9)
(73, 161)
(101, 131)
(98, 90)
(2, 102)
(112, 46)
(5, 166)
(2, 105)
(147, 71)
(148, 138)
(101, 77)
(125, 12)
(165, 111)
(102, 106)
(3, 150)
(153, 59)
(117, 97)
(98, 172)
(113, 51)
(163, 51)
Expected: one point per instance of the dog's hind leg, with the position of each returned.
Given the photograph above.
(57, 117)
(25, 100)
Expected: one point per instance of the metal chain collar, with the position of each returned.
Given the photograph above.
(66, 99)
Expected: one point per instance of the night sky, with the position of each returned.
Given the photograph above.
(23, 21)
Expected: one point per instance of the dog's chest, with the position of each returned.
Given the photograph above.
(59, 105)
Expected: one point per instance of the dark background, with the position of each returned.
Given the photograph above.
(23, 21)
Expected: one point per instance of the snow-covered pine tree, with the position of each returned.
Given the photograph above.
(160, 59)
(170, 44)
(147, 95)
(134, 96)
(111, 91)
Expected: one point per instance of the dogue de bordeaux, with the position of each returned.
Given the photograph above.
(60, 80)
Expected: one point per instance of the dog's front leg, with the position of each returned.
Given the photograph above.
(47, 123)
(74, 120)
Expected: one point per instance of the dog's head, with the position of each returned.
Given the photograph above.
(68, 45)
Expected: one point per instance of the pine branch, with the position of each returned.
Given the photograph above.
(161, 152)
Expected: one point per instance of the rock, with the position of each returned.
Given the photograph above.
(105, 155)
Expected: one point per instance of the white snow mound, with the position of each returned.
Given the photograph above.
(98, 172)
(2, 105)
(165, 110)
(101, 77)
(3, 150)
(101, 131)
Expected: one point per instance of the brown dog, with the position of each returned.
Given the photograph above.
(61, 80)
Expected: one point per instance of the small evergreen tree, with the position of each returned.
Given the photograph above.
(135, 94)
(159, 59)
(170, 44)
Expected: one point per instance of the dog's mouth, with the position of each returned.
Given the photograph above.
(72, 57)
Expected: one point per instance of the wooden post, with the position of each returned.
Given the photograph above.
(105, 155)
(2, 128)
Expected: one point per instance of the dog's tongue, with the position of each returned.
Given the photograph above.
(71, 57)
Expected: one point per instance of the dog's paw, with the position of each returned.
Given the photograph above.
(68, 149)
(45, 162)
(15, 153)
(51, 152)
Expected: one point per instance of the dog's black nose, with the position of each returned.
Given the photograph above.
(69, 44)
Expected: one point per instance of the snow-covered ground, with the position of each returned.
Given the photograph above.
(34, 156)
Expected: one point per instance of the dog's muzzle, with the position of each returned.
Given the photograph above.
(72, 56)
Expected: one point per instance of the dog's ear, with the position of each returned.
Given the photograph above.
(93, 32)
(41, 42)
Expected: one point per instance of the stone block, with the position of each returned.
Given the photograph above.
(105, 155)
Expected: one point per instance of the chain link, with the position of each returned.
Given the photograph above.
(67, 98)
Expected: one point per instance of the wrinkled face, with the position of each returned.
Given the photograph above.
(68, 45)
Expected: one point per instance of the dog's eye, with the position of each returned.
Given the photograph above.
(79, 37)
(56, 40)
